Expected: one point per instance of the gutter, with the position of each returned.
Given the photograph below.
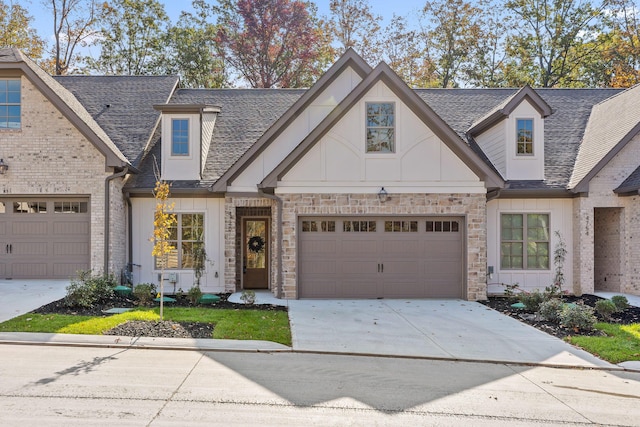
(107, 211)
(279, 233)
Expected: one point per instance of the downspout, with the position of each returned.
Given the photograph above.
(127, 199)
(278, 201)
(107, 210)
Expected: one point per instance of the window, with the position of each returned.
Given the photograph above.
(30, 207)
(442, 227)
(9, 104)
(70, 207)
(185, 237)
(380, 127)
(524, 135)
(359, 226)
(180, 137)
(524, 242)
(318, 226)
(401, 226)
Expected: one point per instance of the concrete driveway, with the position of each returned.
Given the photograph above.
(21, 296)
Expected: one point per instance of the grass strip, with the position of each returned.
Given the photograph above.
(621, 344)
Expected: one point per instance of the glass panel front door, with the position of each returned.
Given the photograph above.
(256, 255)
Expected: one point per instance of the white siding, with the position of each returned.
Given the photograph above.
(296, 132)
(208, 123)
(338, 163)
(492, 142)
(181, 167)
(560, 218)
(527, 166)
(213, 209)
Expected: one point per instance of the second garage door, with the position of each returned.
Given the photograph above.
(43, 238)
(364, 257)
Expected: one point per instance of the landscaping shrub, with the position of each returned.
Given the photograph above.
(532, 300)
(88, 289)
(551, 309)
(248, 297)
(605, 308)
(621, 302)
(144, 293)
(578, 317)
(194, 294)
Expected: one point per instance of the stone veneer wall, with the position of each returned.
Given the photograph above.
(49, 156)
(472, 206)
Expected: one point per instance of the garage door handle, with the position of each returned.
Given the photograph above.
(381, 268)
(10, 248)
(7, 248)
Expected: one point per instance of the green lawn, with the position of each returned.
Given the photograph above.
(229, 324)
(621, 344)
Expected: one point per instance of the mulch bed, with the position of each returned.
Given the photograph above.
(164, 329)
(503, 305)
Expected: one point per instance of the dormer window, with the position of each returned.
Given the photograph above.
(180, 137)
(524, 135)
(380, 127)
(9, 104)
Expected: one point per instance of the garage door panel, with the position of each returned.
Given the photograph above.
(392, 257)
(44, 237)
(70, 228)
(29, 228)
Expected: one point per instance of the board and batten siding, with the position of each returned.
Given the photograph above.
(525, 166)
(301, 126)
(213, 209)
(492, 142)
(421, 163)
(560, 218)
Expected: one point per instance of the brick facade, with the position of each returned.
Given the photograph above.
(472, 206)
(49, 156)
(621, 266)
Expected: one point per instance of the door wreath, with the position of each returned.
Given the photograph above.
(256, 243)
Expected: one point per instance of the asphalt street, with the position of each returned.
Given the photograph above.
(88, 386)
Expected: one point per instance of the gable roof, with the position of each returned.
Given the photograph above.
(66, 102)
(349, 59)
(612, 124)
(506, 107)
(438, 126)
(123, 106)
(631, 185)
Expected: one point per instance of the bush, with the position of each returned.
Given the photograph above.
(620, 302)
(532, 300)
(605, 308)
(144, 293)
(578, 317)
(88, 289)
(194, 294)
(248, 297)
(551, 309)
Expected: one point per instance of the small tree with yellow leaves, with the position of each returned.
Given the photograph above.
(163, 221)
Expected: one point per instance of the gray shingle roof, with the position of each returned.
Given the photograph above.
(245, 115)
(564, 128)
(612, 122)
(631, 184)
(123, 106)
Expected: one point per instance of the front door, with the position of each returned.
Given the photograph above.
(255, 253)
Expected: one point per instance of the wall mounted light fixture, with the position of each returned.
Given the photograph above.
(3, 167)
(383, 196)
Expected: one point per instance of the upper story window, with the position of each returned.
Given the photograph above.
(180, 137)
(9, 103)
(381, 127)
(524, 135)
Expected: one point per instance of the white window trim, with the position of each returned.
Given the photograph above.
(204, 240)
(524, 249)
(189, 136)
(395, 129)
(533, 137)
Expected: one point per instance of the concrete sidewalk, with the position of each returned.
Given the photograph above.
(22, 296)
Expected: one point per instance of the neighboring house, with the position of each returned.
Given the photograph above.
(359, 187)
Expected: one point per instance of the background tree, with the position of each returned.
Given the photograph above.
(354, 25)
(192, 50)
(73, 27)
(556, 39)
(133, 38)
(270, 43)
(16, 30)
(451, 31)
(621, 51)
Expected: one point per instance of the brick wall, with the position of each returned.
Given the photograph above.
(49, 156)
(472, 206)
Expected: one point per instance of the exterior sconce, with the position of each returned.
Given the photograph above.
(383, 196)
(3, 167)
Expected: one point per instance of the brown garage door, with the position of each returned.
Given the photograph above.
(43, 238)
(363, 257)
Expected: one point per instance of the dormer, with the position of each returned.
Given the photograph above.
(186, 136)
(512, 135)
